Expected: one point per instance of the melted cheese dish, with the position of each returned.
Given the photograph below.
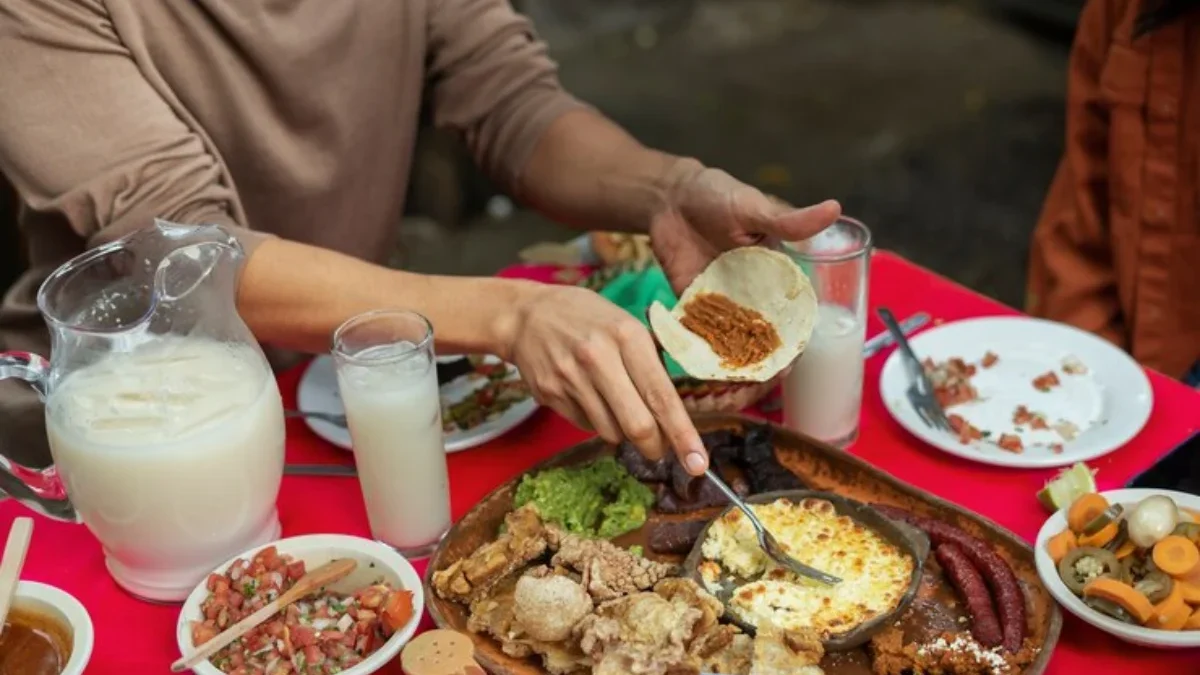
(875, 574)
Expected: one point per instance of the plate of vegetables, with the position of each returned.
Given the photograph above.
(1128, 563)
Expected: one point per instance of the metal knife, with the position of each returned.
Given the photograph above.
(320, 470)
(885, 339)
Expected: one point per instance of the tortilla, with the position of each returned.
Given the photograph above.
(756, 278)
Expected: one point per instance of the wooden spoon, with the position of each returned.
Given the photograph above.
(313, 581)
(14, 559)
(440, 652)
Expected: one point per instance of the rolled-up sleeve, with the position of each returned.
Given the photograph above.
(492, 81)
(86, 137)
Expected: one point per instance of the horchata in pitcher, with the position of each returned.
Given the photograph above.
(163, 417)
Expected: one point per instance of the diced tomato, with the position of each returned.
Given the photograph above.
(371, 597)
(1011, 443)
(1046, 381)
(295, 570)
(313, 655)
(303, 636)
(396, 611)
(203, 632)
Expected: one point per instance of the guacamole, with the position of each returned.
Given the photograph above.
(599, 499)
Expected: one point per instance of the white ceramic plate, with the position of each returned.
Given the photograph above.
(1109, 404)
(1048, 571)
(319, 393)
(375, 561)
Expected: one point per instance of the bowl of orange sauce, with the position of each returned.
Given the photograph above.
(47, 632)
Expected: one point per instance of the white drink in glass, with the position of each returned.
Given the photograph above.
(822, 395)
(394, 411)
(172, 455)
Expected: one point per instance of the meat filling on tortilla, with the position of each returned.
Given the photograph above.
(739, 336)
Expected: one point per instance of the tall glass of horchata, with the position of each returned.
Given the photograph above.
(822, 395)
(387, 376)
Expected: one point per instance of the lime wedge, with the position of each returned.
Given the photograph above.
(1067, 486)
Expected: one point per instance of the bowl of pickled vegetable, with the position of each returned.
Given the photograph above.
(1128, 563)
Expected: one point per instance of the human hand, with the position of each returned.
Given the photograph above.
(599, 367)
(708, 212)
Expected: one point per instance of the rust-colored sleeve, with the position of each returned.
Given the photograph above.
(1071, 274)
(493, 82)
(84, 135)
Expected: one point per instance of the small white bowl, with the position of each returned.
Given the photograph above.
(60, 605)
(1048, 571)
(375, 560)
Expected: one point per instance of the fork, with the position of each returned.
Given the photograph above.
(771, 547)
(920, 389)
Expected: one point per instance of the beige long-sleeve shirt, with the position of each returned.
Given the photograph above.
(294, 118)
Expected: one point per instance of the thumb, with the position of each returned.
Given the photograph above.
(766, 217)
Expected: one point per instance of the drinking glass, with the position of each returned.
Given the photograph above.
(822, 395)
(387, 377)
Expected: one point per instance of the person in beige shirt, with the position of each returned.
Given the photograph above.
(292, 123)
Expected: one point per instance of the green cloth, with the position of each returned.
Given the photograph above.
(635, 292)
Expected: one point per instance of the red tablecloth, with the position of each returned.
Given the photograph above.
(133, 637)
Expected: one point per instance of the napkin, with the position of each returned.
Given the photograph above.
(634, 291)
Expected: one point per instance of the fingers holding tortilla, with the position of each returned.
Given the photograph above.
(745, 318)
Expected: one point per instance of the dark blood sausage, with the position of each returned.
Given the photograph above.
(984, 624)
(727, 469)
(1010, 600)
(684, 484)
(757, 445)
(771, 476)
(641, 468)
(670, 538)
(707, 496)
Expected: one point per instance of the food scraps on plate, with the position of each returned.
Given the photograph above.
(498, 388)
(320, 635)
(1044, 416)
(1136, 563)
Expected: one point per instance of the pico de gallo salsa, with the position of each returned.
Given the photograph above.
(324, 634)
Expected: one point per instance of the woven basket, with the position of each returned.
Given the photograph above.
(721, 397)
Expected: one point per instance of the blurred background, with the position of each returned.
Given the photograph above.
(938, 123)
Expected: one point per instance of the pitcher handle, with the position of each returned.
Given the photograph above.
(39, 489)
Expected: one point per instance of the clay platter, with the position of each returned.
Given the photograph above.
(822, 468)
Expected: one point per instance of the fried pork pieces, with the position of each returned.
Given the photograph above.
(598, 608)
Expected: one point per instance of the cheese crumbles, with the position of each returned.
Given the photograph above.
(875, 574)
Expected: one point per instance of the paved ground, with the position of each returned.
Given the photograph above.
(936, 123)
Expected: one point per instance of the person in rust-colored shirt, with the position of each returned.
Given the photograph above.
(1117, 248)
(292, 124)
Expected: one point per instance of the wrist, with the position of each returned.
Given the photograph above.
(507, 302)
(665, 183)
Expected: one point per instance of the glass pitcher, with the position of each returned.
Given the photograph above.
(163, 417)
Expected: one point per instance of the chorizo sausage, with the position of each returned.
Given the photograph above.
(1006, 591)
(963, 575)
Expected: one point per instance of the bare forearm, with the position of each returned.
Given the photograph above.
(589, 173)
(294, 296)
